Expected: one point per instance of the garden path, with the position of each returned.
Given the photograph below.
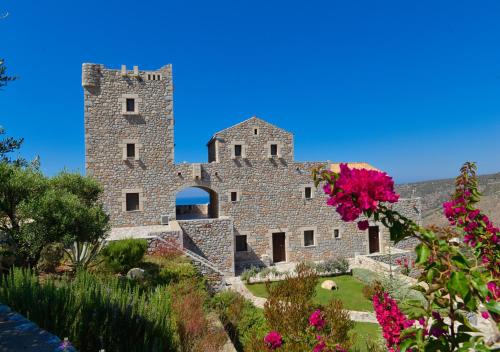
(237, 285)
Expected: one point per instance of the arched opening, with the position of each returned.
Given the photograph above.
(196, 202)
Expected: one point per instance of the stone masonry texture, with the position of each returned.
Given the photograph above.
(269, 188)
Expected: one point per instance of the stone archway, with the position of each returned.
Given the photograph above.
(196, 210)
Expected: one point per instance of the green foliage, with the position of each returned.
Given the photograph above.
(50, 257)
(196, 330)
(4, 78)
(175, 272)
(93, 313)
(249, 273)
(241, 319)
(123, 255)
(7, 146)
(35, 211)
(83, 255)
(290, 303)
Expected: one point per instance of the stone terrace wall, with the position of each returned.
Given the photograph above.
(211, 239)
(167, 240)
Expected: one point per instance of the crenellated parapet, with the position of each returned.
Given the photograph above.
(91, 75)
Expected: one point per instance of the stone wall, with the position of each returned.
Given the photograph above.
(270, 188)
(212, 239)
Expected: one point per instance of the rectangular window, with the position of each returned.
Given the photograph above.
(241, 243)
(336, 233)
(130, 104)
(308, 238)
(308, 192)
(274, 149)
(255, 131)
(237, 150)
(130, 150)
(132, 201)
(234, 196)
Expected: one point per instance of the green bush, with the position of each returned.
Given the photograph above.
(341, 265)
(50, 256)
(249, 273)
(123, 255)
(241, 319)
(94, 314)
(173, 272)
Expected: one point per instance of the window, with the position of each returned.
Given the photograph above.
(274, 149)
(234, 196)
(255, 131)
(241, 243)
(130, 105)
(336, 233)
(307, 192)
(132, 201)
(130, 150)
(237, 150)
(308, 238)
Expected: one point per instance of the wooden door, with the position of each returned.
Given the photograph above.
(279, 252)
(373, 239)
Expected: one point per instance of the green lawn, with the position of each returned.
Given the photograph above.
(349, 292)
(366, 332)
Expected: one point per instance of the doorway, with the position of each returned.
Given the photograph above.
(373, 239)
(279, 251)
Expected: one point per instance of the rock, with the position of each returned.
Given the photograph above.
(329, 285)
(136, 274)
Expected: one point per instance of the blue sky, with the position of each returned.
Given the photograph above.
(411, 87)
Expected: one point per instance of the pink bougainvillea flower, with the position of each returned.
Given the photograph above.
(485, 315)
(358, 190)
(317, 320)
(363, 225)
(391, 319)
(273, 340)
(319, 347)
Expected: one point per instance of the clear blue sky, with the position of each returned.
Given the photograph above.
(412, 87)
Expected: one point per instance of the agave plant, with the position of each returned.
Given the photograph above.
(83, 254)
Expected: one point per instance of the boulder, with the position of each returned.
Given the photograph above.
(329, 285)
(136, 274)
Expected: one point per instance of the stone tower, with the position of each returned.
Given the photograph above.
(129, 135)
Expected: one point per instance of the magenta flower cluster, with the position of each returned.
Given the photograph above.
(356, 191)
(273, 340)
(480, 233)
(316, 320)
(391, 319)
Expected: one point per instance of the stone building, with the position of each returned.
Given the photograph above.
(263, 205)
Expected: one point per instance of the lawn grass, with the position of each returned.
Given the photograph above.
(366, 332)
(350, 292)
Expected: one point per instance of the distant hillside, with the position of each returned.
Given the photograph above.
(434, 193)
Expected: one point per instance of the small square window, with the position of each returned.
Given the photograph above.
(132, 201)
(336, 233)
(308, 238)
(237, 150)
(130, 150)
(307, 192)
(130, 104)
(274, 149)
(241, 243)
(234, 196)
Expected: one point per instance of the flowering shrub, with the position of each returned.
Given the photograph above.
(391, 319)
(457, 277)
(357, 191)
(296, 325)
(405, 264)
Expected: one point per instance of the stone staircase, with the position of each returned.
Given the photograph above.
(216, 278)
